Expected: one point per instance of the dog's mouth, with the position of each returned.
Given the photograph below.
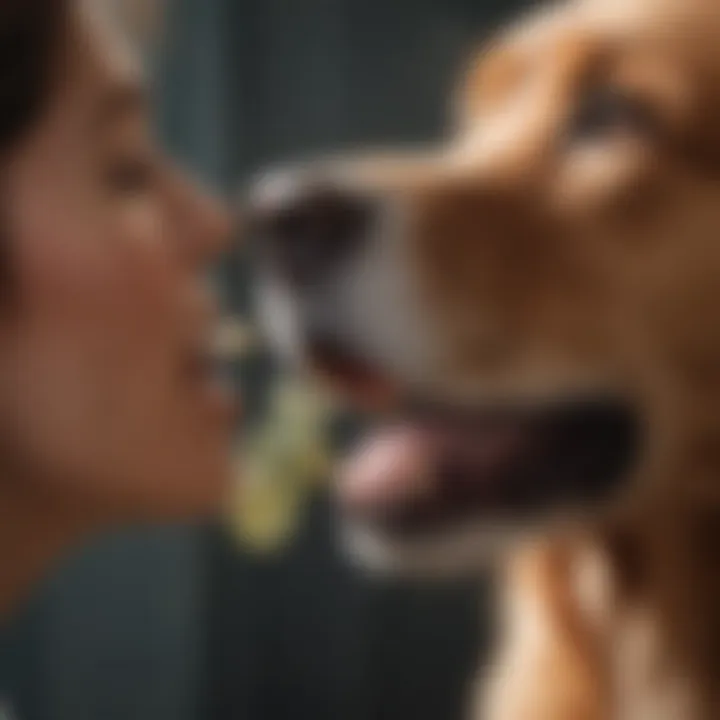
(436, 465)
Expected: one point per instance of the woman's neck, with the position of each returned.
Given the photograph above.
(34, 534)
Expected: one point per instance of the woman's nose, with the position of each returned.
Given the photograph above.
(205, 222)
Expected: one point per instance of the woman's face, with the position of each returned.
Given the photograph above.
(106, 389)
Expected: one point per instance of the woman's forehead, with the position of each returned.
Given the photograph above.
(100, 47)
(100, 75)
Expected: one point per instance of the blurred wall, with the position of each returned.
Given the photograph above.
(176, 624)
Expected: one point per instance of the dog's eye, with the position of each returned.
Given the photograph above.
(608, 111)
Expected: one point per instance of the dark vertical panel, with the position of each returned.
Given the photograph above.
(194, 84)
(121, 637)
(22, 680)
(404, 57)
(305, 54)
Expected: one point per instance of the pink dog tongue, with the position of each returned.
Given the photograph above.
(390, 467)
(408, 464)
(439, 468)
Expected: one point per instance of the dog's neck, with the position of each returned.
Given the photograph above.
(613, 610)
(664, 545)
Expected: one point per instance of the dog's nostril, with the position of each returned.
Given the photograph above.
(307, 227)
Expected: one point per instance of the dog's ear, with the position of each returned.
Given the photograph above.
(495, 73)
(484, 78)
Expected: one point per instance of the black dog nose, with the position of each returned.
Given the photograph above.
(305, 228)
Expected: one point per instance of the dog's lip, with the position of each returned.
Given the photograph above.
(399, 465)
(351, 376)
(491, 464)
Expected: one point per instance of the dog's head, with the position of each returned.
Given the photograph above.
(539, 293)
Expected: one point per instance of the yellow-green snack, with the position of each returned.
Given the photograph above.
(282, 462)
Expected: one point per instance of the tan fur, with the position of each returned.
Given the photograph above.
(550, 664)
(534, 254)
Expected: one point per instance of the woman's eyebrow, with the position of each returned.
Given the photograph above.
(119, 101)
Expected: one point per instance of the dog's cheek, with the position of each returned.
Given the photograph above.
(602, 180)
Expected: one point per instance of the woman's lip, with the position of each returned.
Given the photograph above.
(220, 345)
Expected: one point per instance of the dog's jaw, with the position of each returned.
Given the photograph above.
(465, 551)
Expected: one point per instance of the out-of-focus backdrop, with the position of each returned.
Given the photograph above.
(202, 623)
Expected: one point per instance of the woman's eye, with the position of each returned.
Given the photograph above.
(606, 112)
(130, 176)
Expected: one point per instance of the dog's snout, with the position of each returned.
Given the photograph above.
(307, 227)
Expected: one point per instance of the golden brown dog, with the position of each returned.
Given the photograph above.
(540, 295)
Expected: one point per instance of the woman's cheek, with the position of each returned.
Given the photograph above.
(95, 332)
(145, 277)
(112, 279)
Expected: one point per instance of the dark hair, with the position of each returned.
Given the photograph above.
(30, 36)
(31, 33)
